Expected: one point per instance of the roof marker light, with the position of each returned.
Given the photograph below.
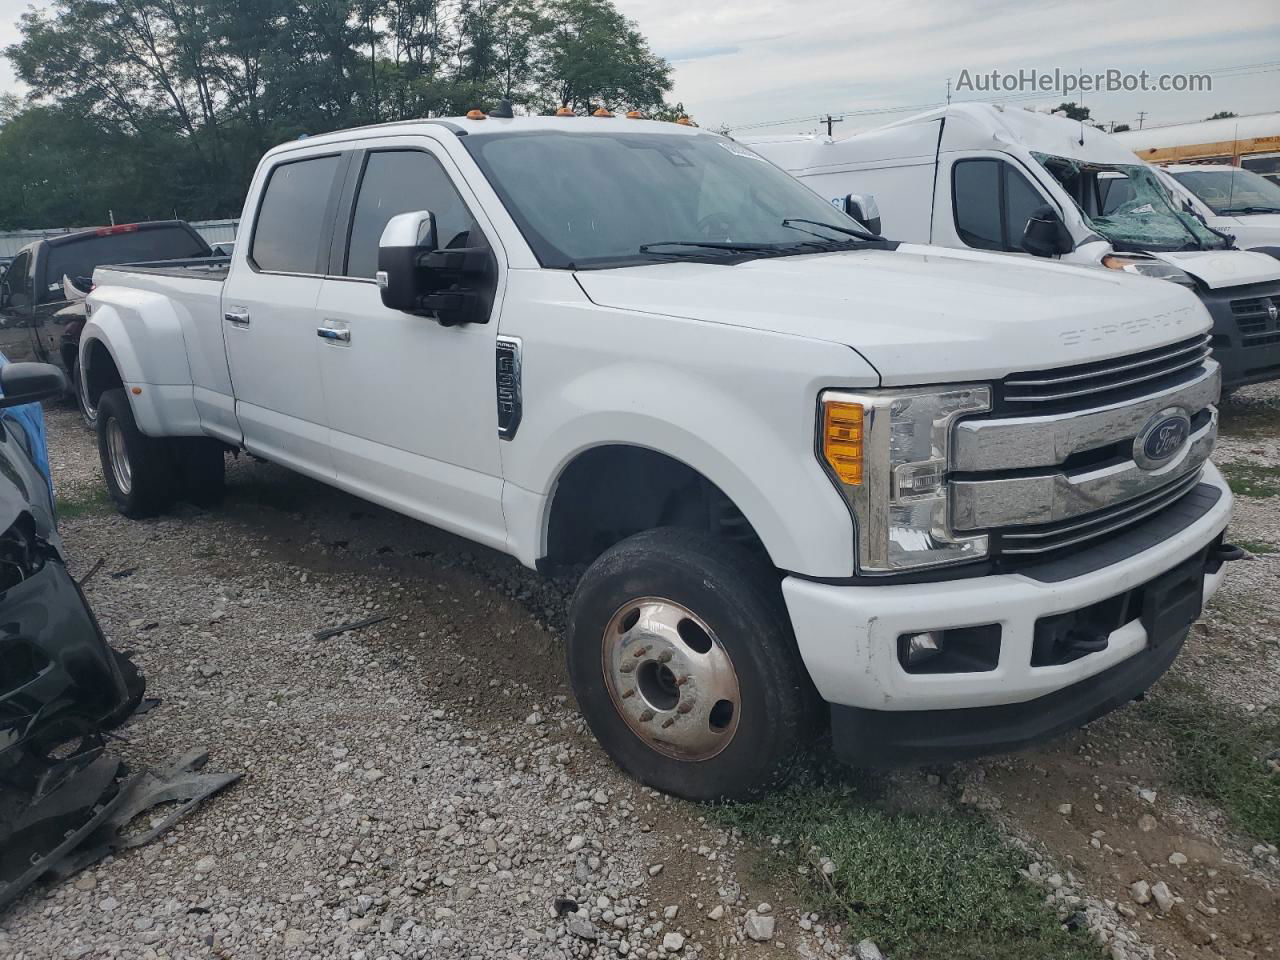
(636, 115)
(565, 112)
(601, 112)
(685, 122)
(476, 115)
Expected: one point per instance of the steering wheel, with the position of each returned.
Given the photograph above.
(715, 225)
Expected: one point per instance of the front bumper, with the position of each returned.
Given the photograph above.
(1249, 350)
(848, 637)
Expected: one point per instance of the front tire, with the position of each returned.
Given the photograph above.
(683, 661)
(139, 470)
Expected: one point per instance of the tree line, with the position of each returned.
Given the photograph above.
(145, 109)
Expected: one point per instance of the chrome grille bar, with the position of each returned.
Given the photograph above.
(1089, 379)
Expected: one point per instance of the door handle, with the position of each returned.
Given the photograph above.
(239, 317)
(329, 333)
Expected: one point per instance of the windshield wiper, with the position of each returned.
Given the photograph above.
(1231, 210)
(728, 246)
(848, 231)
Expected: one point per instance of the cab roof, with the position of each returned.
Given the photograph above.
(469, 126)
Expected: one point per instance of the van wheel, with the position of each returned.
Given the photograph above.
(139, 470)
(201, 465)
(88, 412)
(683, 661)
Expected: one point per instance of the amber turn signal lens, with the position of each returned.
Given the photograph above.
(635, 115)
(476, 115)
(842, 440)
(565, 112)
(685, 122)
(601, 112)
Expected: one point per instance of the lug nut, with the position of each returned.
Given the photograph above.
(668, 722)
(641, 652)
(628, 693)
(646, 715)
(664, 656)
(628, 667)
(684, 707)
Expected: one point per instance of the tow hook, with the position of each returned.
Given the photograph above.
(1227, 552)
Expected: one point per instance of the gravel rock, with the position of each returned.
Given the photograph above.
(673, 942)
(1163, 896)
(1140, 891)
(759, 928)
(867, 950)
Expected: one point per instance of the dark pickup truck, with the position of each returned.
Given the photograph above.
(39, 320)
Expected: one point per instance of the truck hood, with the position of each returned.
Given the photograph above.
(921, 314)
(1255, 230)
(1224, 268)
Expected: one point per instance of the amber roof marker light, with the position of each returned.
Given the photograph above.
(636, 115)
(565, 112)
(601, 112)
(476, 115)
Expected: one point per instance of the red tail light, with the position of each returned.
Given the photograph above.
(122, 228)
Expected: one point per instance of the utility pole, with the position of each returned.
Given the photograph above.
(948, 91)
(830, 121)
(1142, 115)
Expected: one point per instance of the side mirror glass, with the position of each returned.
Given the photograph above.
(1045, 235)
(863, 208)
(405, 239)
(30, 383)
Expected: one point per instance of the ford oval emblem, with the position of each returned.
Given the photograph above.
(1163, 437)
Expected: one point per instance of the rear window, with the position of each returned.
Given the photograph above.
(288, 235)
(78, 257)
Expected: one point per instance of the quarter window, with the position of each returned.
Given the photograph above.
(402, 181)
(992, 202)
(289, 232)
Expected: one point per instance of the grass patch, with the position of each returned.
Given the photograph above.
(1245, 417)
(91, 503)
(1259, 547)
(930, 886)
(1219, 754)
(1252, 479)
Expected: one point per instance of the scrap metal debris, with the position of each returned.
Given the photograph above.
(346, 627)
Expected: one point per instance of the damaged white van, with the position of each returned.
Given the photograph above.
(982, 177)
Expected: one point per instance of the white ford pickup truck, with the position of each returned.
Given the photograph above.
(943, 501)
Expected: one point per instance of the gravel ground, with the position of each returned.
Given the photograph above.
(419, 788)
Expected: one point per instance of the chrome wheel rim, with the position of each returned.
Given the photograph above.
(671, 679)
(118, 454)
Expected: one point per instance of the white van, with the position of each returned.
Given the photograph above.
(1232, 200)
(983, 177)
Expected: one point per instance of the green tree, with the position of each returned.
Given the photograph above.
(1223, 115)
(1073, 110)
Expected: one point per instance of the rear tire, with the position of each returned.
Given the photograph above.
(88, 412)
(684, 664)
(139, 470)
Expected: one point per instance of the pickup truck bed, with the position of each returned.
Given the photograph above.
(199, 268)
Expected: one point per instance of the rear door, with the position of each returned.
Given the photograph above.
(269, 311)
(411, 404)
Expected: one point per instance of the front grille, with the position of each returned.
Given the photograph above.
(1104, 381)
(1253, 315)
(1047, 537)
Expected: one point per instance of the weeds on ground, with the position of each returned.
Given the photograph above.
(1252, 479)
(930, 886)
(1220, 754)
(1246, 417)
(1258, 547)
(91, 503)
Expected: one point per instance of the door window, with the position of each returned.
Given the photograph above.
(992, 202)
(402, 181)
(289, 231)
(17, 283)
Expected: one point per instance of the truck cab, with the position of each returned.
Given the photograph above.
(939, 502)
(974, 176)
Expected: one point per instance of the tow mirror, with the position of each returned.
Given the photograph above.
(1045, 235)
(30, 383)
(863, 208)
(406, 238)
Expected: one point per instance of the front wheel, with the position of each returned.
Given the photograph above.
(139, 470)
(683, 661)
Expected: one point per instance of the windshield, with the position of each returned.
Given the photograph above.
(586, 200)
(1232, 191)
(1127, 204)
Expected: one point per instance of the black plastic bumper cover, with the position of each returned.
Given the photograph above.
(902, 738)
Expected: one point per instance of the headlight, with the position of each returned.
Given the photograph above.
(1148, 267)
(888, 451)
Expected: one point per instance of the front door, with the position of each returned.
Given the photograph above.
(17, 310)
(269, 315)
(411, 404)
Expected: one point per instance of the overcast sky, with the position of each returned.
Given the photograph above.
(744, 62)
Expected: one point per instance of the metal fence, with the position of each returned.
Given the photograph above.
(11, 241)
